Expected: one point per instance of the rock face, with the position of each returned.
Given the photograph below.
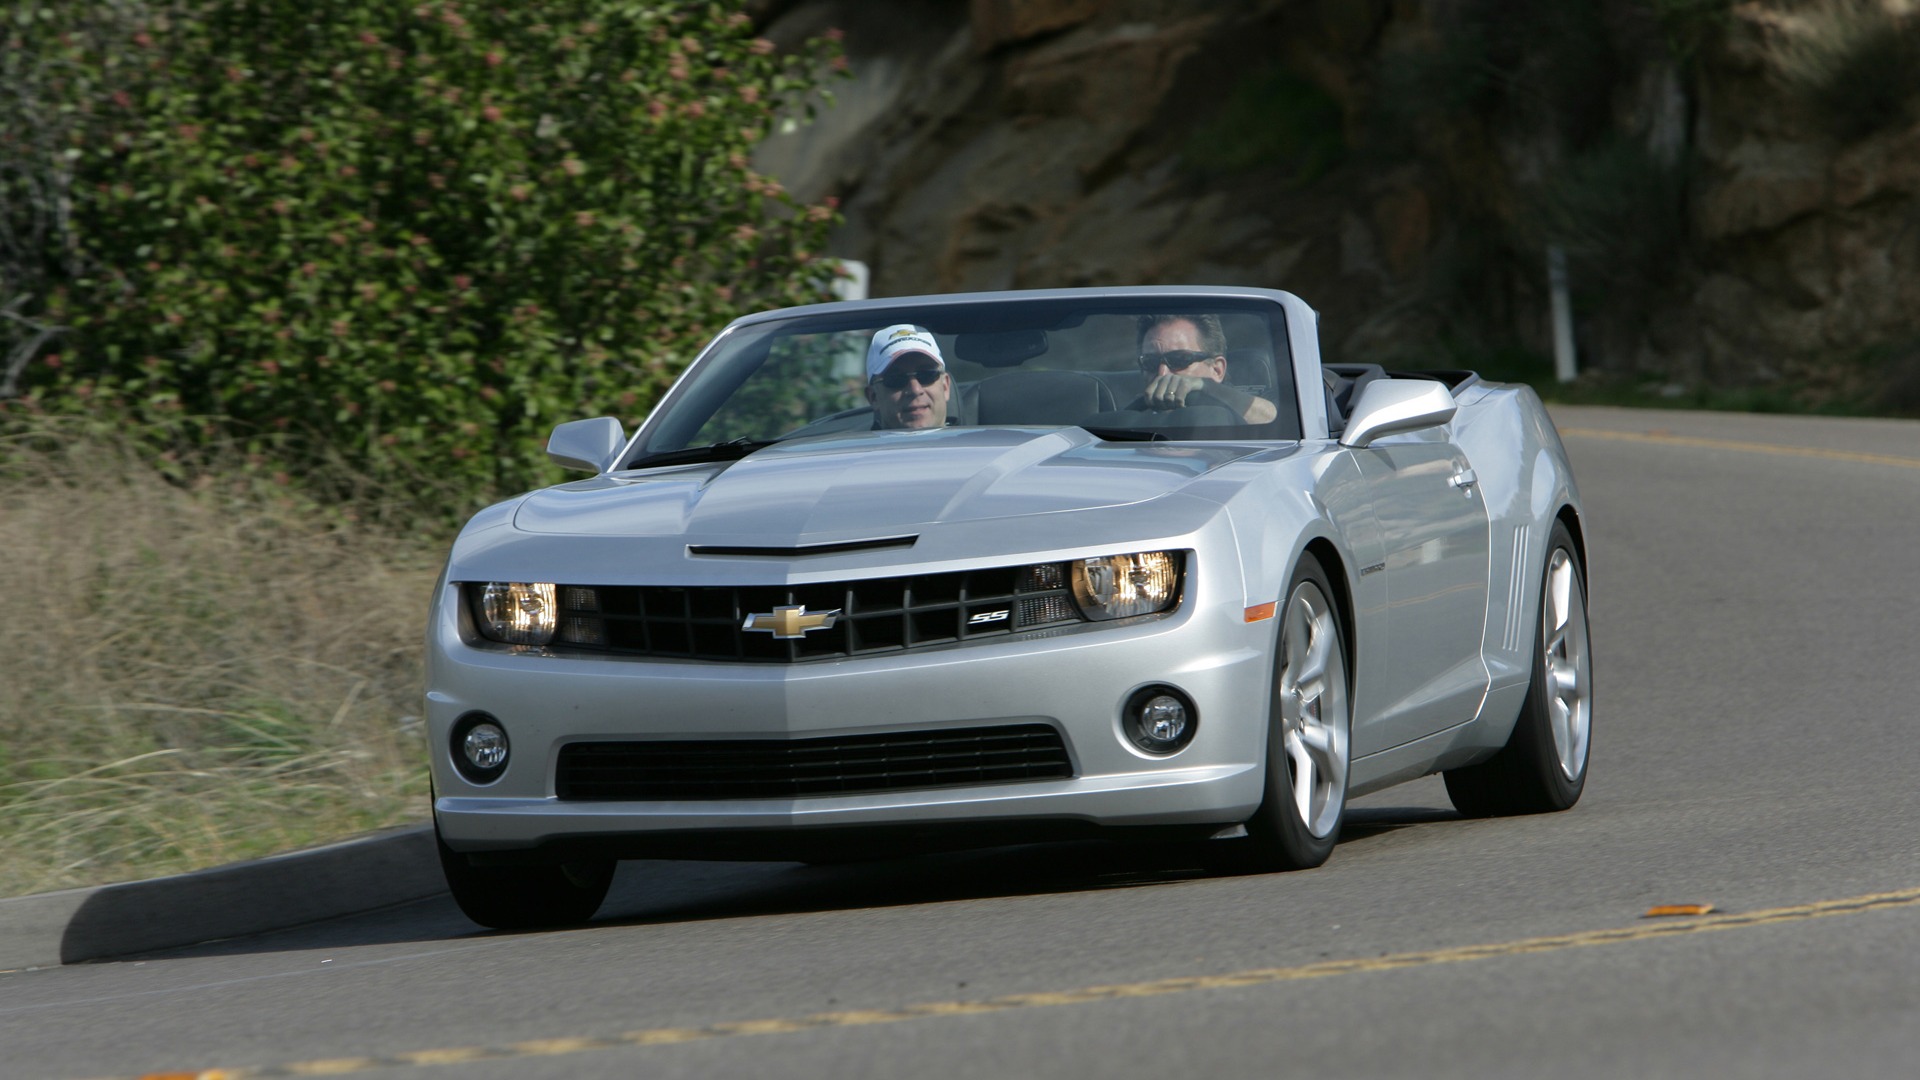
(1401, 165)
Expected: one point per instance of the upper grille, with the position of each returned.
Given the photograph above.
(664, 770)
(874, 616)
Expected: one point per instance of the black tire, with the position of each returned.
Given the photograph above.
(1543, 767)
(524, 897)
(1309, 731)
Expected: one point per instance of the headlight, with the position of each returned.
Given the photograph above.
(517, 612)
(1116, 586)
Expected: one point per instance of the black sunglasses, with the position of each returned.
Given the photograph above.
(926, 376)
(1176, 360)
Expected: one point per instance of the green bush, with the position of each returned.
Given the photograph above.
(1272, 118)
(408, 236)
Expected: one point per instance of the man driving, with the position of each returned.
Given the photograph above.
(907, 380)
(1181, 355)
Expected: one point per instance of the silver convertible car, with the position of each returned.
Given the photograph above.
(895, 576)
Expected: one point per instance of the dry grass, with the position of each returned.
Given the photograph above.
(195, 673)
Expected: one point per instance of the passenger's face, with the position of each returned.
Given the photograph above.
(919, 401)
(1177, 338)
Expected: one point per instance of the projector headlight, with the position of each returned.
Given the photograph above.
(1116, 586)
(516, 612)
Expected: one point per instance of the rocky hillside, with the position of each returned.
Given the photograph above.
(1735, 184)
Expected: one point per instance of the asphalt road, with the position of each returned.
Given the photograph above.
(1754, 582)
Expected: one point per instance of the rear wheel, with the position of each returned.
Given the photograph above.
(1543, 767)
(522, 897)
(1308, 729)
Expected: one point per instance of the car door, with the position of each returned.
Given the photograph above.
(1434, 532)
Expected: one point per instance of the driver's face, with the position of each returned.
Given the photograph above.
(1180, 336)
(920, 401)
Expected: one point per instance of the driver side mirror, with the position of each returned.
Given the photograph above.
(1395, 406)
(586, 444)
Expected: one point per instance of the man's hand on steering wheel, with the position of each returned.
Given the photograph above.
(1170, 391)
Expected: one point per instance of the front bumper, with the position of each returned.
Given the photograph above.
(1075, 681)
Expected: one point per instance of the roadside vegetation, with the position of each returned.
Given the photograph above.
(283, 296)
(195, 672)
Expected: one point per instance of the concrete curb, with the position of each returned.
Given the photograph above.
(254, 897)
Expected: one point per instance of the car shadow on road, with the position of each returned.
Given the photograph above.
(661, 892)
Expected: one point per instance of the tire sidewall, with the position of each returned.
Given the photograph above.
(1276, 827)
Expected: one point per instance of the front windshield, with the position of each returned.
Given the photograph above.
(1121, 367)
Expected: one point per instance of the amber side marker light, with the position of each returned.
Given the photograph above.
(1261, 612)
(1661, 911)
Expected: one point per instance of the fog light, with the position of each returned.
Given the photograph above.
(480, 748)
(1160, 719)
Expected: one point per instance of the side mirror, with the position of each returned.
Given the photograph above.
(1394, 406)
(586, 444)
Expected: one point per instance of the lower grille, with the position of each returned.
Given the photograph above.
(667, 770)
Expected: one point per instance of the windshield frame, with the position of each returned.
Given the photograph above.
(729, 361)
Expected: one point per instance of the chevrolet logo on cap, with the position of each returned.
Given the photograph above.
(790, 622)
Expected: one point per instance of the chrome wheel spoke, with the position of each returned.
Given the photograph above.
(1564, 664)
(1313, 711)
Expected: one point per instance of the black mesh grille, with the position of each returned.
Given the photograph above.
(873, 616)
(789, 768)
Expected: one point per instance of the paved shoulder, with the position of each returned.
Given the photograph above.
(253, 897)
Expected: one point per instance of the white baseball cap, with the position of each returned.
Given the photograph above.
(896, 341)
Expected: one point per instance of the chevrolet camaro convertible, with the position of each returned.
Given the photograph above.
(895, 576)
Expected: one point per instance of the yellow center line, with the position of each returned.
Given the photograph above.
(1645, 931)
(1747, 447)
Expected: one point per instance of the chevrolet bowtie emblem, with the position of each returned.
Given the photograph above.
(790, 622)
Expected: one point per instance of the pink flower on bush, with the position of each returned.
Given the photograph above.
(309, 269)
(271, 367)
(573, 166)
(492, 113)
(738, 19)
(750, 94)
(695, 110)
(519, 192)
(494, 58)
(337, 239)
(656, 109)
(834, 33)
(746, 234)
(760, 47)
(53, 361)
(436, 181)
(368, 37)
(584, 219)
(123, 99)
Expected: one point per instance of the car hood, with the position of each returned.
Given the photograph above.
(872, 484)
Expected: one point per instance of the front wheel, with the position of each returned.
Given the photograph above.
(524, 897)
(1309, 725)
(1543, 767)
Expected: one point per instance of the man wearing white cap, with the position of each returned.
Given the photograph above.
(907, 380)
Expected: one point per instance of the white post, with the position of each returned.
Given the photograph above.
(1565, 364)
(851, 282)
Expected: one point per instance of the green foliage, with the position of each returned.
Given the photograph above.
(1273, 118)
(1689, 24)
(1617, 211)
(1857, 63)
(1534, 63)
(411, 237)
